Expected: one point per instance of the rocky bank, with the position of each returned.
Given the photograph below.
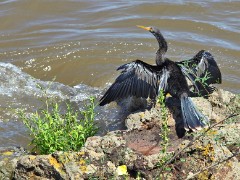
(136, 153)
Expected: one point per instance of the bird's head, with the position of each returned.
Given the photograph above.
(151, 29)
(161, 41)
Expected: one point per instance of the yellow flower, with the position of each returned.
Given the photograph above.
(122, 170)
(7, 153)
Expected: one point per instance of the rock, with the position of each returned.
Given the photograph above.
(138, 151)
(210, 152)
(8, 160)
(7, 168)
(38, 167)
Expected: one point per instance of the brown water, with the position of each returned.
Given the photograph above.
(83, 42)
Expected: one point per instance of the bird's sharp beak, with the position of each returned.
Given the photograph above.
(143, 27)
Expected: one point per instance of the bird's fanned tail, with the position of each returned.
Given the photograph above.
(193, 119)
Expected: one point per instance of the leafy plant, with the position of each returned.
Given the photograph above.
(165, 156)
(53, 131)
(203, 80)
(165, 129)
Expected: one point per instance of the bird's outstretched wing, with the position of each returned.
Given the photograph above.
(202, 70)
(137, 79)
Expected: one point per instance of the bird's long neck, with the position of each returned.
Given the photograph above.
(162, 48)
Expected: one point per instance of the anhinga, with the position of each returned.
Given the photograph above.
(140, 79)
(202, 70)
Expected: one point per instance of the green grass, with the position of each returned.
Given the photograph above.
(53, 131)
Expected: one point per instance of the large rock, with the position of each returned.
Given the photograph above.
(8, 160)
(137, 152)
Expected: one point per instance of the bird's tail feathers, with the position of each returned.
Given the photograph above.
(193, 119)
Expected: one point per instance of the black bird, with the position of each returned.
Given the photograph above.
(202, 71)
(140, 79)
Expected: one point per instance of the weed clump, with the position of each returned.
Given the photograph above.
(53, 131)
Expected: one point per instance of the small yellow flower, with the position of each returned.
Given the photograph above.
(122, 170)
(7, 153)
(142, 115)
(81, 153)
(82, 162)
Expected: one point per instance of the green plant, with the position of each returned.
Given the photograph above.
(53, 131)
(201, 80)
(165, 156)
(165, 130)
